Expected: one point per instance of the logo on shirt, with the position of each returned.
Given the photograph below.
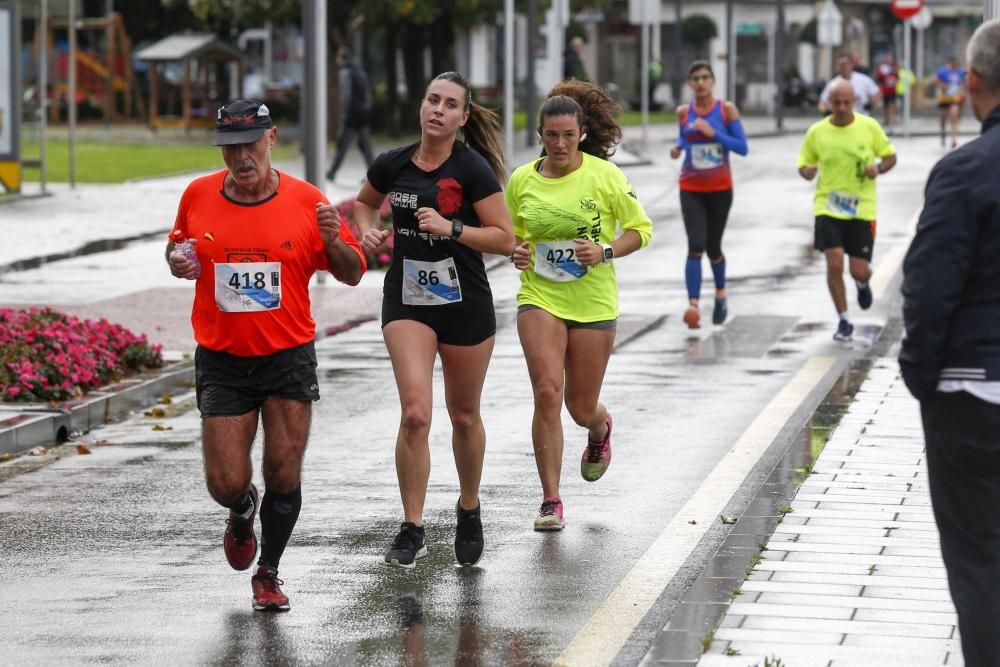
(587, 203)
(287, 245)
(449, 196)
(403, 199)
(245, 257)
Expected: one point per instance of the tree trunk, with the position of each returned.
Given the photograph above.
(391, 118)
(443, 46)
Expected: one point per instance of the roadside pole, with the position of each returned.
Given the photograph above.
(314, 130)
(907, 64)
(508, 79)
(991, 10)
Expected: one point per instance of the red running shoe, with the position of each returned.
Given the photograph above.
(240, 542)
(267, 595)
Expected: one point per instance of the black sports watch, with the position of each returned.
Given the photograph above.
(456, 228)
(609, 253)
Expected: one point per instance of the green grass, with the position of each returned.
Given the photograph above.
(115, 162)
(103, 162)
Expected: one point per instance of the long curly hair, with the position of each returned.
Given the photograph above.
(482, 129)
(594, 109)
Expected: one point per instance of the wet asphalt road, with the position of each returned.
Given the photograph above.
(116, 556)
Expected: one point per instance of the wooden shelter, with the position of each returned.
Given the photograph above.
(202, 89)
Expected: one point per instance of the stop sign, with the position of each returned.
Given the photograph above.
(904, 9)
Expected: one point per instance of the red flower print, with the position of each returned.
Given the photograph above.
(449, 198)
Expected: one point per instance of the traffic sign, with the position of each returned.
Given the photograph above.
(904, 9)
(923, 19)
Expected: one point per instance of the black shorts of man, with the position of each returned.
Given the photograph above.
(849, 151)
(950, 355)
(258, 236)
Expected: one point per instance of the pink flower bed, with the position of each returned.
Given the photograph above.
(49, 356)
(383, 256)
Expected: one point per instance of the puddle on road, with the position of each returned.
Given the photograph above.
(91, 248)
(708, 598)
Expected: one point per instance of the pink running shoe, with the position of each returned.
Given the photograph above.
(597, 456)
(240, 542)
(550, 516)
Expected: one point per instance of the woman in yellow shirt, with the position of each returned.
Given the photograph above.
(567, 208)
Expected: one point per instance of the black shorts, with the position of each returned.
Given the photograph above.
(227, 385)
(468, 324)
(947, 105)
(889, 98)
(856, 237)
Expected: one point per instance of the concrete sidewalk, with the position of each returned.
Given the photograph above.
(853, 573)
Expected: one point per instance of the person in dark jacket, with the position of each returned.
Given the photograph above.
(355, 108)
(950, 357)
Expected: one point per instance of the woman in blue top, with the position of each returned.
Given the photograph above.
(709, 130)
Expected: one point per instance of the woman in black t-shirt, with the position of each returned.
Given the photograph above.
(447, 209)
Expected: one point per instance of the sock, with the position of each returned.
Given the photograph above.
(244, 506)
(692, 277)
(843, 315)
(861, 284)
(719, 273)
(278, 514)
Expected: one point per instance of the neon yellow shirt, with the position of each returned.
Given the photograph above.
(842, 153)
(549, 213)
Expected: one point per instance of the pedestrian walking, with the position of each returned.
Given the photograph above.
(355, 109)
(849, 151)
(567, 207)
(710, 129)
(573, 67)
(950, 83)
(259, 235)
(866, 91)
(950, 356)
(447, 210)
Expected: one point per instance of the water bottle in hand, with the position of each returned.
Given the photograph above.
(186, 248)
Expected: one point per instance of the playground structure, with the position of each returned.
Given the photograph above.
(212, 72)
(105, 76)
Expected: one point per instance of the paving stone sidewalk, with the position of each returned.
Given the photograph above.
(853, 574)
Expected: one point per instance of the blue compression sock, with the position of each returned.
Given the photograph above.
(692, 277)
(719, 272)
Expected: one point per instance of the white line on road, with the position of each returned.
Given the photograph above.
(890, 263)
(600, 640)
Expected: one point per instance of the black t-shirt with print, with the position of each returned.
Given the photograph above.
(462, 180)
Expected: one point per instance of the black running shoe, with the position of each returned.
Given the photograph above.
(719, 312)
(407, 547)
(468, 536)
(865, 296)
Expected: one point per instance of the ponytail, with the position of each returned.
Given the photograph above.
(482, 134)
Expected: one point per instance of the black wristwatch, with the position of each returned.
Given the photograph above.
(609, 253)
(456, 228)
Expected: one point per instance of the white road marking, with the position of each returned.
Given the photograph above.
(603, 636)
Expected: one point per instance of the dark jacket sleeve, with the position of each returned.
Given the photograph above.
(934, 275)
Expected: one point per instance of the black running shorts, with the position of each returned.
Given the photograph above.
(227, 385)
(856, 237)
(470, 324)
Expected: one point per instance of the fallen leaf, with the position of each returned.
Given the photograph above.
(693, 522)
(159, 413)
(727, 518)
(161, 427)
(6, 457)
(167, 399)
(37, 451)
(82, 449)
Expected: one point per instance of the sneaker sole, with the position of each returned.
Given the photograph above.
(549, 529)
(694, 321)
(407, 566)
(271, 607)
